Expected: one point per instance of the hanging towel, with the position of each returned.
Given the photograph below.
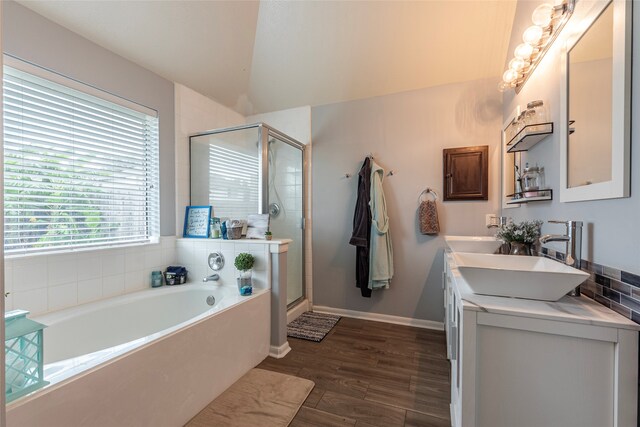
(428, 215)
(362, 228)
(380, 250)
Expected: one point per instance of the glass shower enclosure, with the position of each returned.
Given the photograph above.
(255, 169)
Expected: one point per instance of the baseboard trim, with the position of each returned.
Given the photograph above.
(279, 352)
(296, 311)
(377, 317)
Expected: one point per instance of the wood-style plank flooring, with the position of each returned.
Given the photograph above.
(371, 374)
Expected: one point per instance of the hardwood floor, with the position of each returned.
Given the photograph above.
(371, 374)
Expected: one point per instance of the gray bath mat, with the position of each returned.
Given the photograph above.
(260, 398)
(312, 326)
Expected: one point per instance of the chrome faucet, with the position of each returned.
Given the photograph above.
(212, 278)
(573, 242)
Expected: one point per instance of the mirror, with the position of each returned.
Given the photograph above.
(595, 105)
(590, 91)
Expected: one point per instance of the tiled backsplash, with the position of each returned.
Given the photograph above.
(193, 254)
(43, 283)
(613, 288)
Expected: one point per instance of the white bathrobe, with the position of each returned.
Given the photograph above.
(380, 250)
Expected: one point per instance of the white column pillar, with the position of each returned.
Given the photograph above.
(279, 345)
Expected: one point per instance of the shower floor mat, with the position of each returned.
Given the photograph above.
(312, 326)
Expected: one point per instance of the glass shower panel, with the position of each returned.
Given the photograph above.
(225, 172)
(286, 208)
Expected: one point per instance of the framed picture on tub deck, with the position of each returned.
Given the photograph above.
(196, 221)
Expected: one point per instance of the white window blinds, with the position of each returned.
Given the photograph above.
(78, 170)
(233, 182)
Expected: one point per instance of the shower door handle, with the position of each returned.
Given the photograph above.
(303, 223)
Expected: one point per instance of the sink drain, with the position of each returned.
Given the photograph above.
(211, 300)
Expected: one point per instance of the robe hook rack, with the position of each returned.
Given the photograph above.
(390, 173)
(370, 156)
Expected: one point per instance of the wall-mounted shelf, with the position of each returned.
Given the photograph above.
(529, 136)
(540, 196)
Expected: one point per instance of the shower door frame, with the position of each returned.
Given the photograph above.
(264, 130)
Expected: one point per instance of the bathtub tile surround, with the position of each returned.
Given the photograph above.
(270, 271)
(617, 289)
(140, 367)
(49, 282)
(193, 254)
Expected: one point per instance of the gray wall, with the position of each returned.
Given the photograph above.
(406, 133)
(29, 36)
(611, 232)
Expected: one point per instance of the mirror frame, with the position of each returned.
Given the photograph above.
(507, 167)
(585, 15)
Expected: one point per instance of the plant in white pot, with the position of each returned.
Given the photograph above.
(244, 264)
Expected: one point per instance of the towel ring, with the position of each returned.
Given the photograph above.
(428, 191)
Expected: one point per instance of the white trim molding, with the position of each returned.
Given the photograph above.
(296, 311)
(279, 352)
(377, 317)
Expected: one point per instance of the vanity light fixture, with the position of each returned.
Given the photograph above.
(548, 21)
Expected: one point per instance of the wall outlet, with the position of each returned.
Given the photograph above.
(492, 220)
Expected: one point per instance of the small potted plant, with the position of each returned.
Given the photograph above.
(244, 264)
(520, 236)
(268, 235)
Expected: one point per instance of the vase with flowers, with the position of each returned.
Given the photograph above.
(520, 236)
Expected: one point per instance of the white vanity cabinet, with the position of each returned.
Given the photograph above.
(517, 362)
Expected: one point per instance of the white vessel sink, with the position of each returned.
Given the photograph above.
(473, 244)
(518, 276)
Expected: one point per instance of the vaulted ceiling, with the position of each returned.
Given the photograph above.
(271, 55)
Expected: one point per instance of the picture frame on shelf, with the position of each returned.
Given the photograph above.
(196, 222)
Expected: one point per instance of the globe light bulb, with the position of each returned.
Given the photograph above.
(517, 64)
(504, 86)
(523, 51)
(532, 35)
(541, 16)
(510, 76)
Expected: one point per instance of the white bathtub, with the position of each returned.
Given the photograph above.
(154, 357)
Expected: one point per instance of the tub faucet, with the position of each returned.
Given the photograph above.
(212, 278)
(573, 244)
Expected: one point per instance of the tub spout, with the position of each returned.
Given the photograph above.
(212, 278)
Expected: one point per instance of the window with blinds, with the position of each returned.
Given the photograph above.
(233, 182)
(79, 171)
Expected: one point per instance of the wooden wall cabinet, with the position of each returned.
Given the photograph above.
(466, 173)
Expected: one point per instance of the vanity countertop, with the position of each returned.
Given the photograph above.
(569, 309)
